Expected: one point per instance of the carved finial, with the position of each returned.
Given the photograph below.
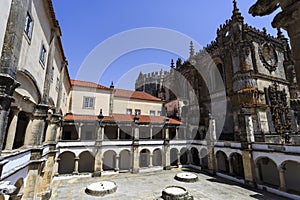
(279, 34)
(100, 116)
(236, 15)
(192, 51)
(172, 63)
(112, 85)
(264, 30)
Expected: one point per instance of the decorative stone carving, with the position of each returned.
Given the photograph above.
(268, 56)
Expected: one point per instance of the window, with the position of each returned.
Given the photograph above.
(137, 111)
(28, 26)
(57, 83)
(88, 102)
(152, 112)
(159, 113)
(43, 55)
(129, 111)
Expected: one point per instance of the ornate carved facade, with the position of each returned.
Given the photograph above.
(244, 63)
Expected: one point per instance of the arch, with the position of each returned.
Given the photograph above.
(195, 156)
(292, 175)
(204, 158)
(86, 162)
(109, 160)
(157, 157)
(66, 163)
(22, 124)
(183, 156)
(236, 161)
(222, 162)
(268, 172)
(125, 160)
(29, 86)
(174, 157)
(144, 158)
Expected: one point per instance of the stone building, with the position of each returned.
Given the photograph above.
(52, 126)
(252, 75)
(34, 89)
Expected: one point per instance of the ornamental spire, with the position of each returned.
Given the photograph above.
(236, 14)
(192, 51)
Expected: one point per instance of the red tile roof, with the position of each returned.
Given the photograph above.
(121, 118)
(135, 95)
(88, 84)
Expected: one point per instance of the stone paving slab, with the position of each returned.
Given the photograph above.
(149, 185)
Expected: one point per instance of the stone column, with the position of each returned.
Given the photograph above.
(79, 131)
(117, 163)
(135, 146)
(55, 167)
(151, 160)
(9, 60)
(282, 178)
(189, 160)
(45, 186)
(212, 129)
(12, 130)
(102, 133)
(30, 190)
(118, 134)
(76, 165)
(248, 167)
(167, 153)
(246, 126)
(98, 168)
(211, 160)
(178, 159)
(52, 128)
(210, 147)
(34, 137)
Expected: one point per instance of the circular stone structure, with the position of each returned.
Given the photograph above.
(176, 193)
(101, 188)
(186, 177)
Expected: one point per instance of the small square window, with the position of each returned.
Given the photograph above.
(88, 102)
(28, 26)
(152, 112)
(137, 111)
(43, 54)
(129, 111)
(158, 113)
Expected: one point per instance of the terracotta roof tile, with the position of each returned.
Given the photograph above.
(135, 95)
(121, 118)
(88, 84)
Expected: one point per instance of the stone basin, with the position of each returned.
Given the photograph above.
(186, 177)
(101, 188)
(176, 193)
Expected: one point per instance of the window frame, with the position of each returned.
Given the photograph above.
(137, 111)
(129, 111)
(43, 52)
(84, 103)
(28, 28)
(152, 112)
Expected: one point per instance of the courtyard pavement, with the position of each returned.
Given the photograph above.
(149, 185)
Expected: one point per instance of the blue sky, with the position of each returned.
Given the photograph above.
(88, 24)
